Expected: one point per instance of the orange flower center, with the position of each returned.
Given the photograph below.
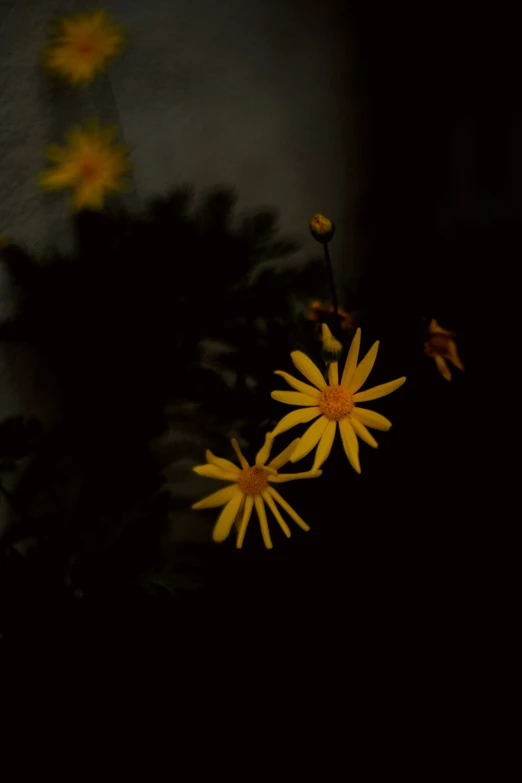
(252, 481)
(89, 169)
(336, 402)
(86, 46)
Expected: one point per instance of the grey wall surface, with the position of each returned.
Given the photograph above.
(249, 93)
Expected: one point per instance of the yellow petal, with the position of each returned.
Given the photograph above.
(325, 445)
(249, 504)
(350, 443)
(333, 374)
(364, 434)
(310, 439)
(453, 355)
(224, 464)
(371, 419)
(212, 471)
(241, 458)
(308, 369)
(275, 511)
(239, 515)
(218, 498)
(351, 360)
(305, 388)
(227, 516)
(364, 369)
(264, 452)
(263, 522)
(442, 367)
(288, 508)
(281, 460)
(301, 416)
(294, 398)
(379, 391)
(282, 478)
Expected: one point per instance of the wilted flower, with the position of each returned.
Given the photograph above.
(320, 311)
(441, 347)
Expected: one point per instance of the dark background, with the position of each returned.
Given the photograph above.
(395, 557)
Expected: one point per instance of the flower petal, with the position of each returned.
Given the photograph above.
(325, 445)
(350, 443)
(224, 464)
(264, 452)
(453, 355)
(333, 374)
(288, 508)
(301, 416)
(241, 458)
(364, 434)
(351, 359)
(305, 388)
(306, 366)
(218, 498)
(263, 522)
(227, 516)
(282, 478)
(364, 368)
(379, 391)
(294, 398)
(442, 367)
(249, 504)
(275, 511)
(310, 439)
(281, 460)
(212, 471)
(371, 419)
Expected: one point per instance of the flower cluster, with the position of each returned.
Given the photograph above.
(90, 165)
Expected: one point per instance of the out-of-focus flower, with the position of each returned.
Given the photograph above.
(320, 311)
(82, 46)
(334, 404)
(249, 487)
(90, 165)
(441, 347)
(322, 228)
(332, 348)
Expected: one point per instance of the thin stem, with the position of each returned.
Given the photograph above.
(332, 283)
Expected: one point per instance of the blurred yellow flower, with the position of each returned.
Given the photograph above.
(441, 347)
(90, 165)
(249, 487)
(336, 404)
(82, 45)
(321, 225)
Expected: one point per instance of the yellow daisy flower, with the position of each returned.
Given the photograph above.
(82, 46)
(250, 486)
(442, 347)
(90, 165)
(336, 404)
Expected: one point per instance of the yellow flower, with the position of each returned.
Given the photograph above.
(82, 46)
(250, 486)
(90, 165)
(335, 404)
(320, 225)
(441, 346)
